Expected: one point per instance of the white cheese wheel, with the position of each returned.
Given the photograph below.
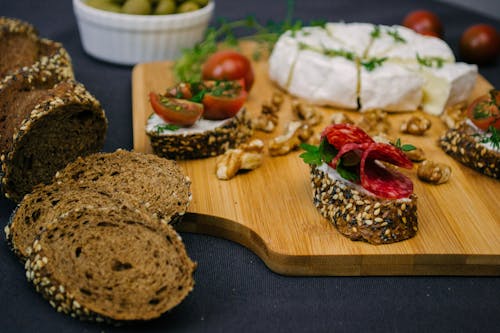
(327, 66)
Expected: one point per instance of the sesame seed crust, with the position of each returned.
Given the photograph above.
(462, 144)
(46, 267)
(205, 144)
(360, 216)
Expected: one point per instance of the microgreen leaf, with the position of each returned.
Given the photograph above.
(373, 63)
(166, 127)
(403, 147)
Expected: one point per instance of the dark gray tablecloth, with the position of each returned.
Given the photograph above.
(234, 290)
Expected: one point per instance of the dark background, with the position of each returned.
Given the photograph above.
(234, 290)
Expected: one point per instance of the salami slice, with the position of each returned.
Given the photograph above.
(349, 147)
(380, 179)
(339, 135)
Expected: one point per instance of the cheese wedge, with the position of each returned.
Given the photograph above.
(355, 37)
(282, 60)
(445, 86)
(390, 87)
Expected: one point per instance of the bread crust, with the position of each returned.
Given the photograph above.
(360, 216)
(206, 144)
(463, 145)
(86, 265)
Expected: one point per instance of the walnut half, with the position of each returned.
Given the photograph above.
(433, 172)
(296, 133)
(247, 157)
(416, 125)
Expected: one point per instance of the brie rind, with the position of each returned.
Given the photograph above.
(390, 87)
(448, 85)
(354, 36)
(306, 75)
(389, 39)
(338, 84)
(282, 60)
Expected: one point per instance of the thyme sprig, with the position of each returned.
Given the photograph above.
(188, 67)
(373, 63)
(492, 136)
(436, 62)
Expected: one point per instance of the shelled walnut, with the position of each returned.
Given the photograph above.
(340, 118)
(296, 133)
(416, 125)
(433, 172)
(307, 112)
(267, 120)
(247, 157)
(453, 115)
(375, 122)
(268, 117)
(415, 155)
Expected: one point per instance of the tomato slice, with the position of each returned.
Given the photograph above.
(484, 111)
(175, 111)
(223, 99)
(182, 90)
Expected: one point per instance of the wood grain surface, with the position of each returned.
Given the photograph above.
(270, 210)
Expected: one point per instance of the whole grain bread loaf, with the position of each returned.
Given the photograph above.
(43, 127)
(159, 184)
(49, 201)
(359, 216)
(109, 264)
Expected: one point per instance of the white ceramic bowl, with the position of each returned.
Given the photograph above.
(130, 39)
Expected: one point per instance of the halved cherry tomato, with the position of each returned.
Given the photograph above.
(176, 111)
(424, 22)
(480, 44)
(484, 111)
(182, 90)
(228, 65)
(223, 99)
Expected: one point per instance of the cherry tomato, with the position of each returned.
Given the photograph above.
(480, 44)
(176, 111)
(182, 90)
(228, 65)
(424, 22)
(484, 111)
(223, 99)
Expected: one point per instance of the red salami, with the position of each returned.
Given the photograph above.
(339, 135)
(348, 147)
(380, 179)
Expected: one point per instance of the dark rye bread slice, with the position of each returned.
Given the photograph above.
(48, 201)
(182, 146)
(463, 144)
(361, 216)
(157, 183)
(43, 128)
(110, 265)
(23, 50)
(18, 45)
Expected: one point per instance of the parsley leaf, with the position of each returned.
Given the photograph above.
(316, 155)
(346, 172)
(403, 147)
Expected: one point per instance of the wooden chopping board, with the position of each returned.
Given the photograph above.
(270, 210)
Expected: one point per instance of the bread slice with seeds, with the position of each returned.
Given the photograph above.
(206, 138)
(110, 265)
(464, 144)
(48, 201)
(159, 184)
(44, 127)
(360, 215)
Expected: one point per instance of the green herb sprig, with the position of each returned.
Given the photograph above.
(394, 33)
(435, 62)
(188, 67)
(373, 63)
(492, 136)
(166, 127)
(403, 147)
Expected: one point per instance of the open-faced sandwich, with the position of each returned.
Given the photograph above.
(475, 142)
(197, 120)
(357, 187)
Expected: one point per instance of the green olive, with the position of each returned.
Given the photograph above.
(104, 5)
(201, 3)
(188, 6)
(137, 7)
(165, 7)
